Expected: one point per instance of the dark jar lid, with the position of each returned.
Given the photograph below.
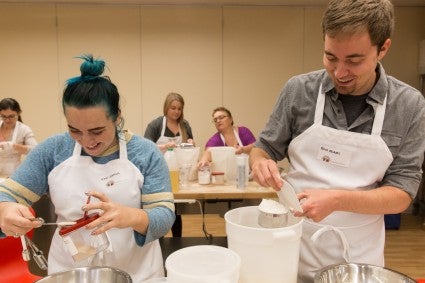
(217, 173)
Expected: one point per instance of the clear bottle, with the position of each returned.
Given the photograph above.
(241, 171)
(173, 167)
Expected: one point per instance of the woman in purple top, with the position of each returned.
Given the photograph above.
(240, 137)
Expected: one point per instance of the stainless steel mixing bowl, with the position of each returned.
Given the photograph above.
(88, 275)
(359, 273)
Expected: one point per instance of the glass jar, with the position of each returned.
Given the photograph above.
(204, 175)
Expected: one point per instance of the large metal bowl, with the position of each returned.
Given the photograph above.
(359, 273)
(88, 275)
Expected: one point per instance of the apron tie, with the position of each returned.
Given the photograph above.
(327, 228)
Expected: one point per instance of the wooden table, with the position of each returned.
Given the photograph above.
(195, 193)
(224, 192)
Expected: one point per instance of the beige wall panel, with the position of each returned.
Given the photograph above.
(262, 49)
(181, 52)
(28, 68)
(313, 39)
(237, 56)
(402, 59)
(113, 34)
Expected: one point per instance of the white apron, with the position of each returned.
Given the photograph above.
(120, 181)
(163, 139)
(236, 135)
(10, 159)
(326, 158)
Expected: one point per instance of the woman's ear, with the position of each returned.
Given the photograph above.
(119, 122)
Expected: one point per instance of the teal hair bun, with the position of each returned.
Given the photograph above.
(90, 66)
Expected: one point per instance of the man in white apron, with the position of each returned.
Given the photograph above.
(354, 139)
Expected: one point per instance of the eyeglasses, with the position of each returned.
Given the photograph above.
(10, 117)
(219, 118)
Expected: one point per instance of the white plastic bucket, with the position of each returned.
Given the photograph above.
(224, 160)
(189, 155)
(203, 263)
(267, 254)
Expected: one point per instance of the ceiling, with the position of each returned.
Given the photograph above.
(208, 2)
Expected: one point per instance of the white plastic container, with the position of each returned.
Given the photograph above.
(204, 175)
(267, 254)
(203, 264)
(188, 155)
(224, 160)
(242, 171)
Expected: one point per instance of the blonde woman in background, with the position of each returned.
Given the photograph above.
(16, 138)
(171, 129)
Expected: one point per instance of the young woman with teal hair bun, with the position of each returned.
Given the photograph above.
(124, 175)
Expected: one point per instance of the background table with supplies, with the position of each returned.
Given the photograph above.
(194, 193)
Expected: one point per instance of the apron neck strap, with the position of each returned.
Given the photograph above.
(377, 122)
(15, 131)
(320, 105)
(164, 125)
(123, 145)
(379, 117)
(238, 138)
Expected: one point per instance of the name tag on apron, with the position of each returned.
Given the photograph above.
(334, 155)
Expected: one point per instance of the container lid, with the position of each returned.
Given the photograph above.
(288, 197)
(80, 223)
(203, 263)
(215, 173)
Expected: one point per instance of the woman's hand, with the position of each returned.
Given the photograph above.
(22, 149)
(239, 149)
(115, 215)
(266, 173)
(203, 163)
(205, 159)
(166, 146)
(16, 219)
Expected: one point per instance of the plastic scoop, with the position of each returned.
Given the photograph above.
(288, 197)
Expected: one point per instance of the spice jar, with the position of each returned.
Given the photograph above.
(80, 242)
(204, 175)
(217, 178)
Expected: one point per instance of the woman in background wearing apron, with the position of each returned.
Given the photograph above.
(169, 131)
(354, 137)
(240, 137)
(172, 129)
(16, 138)
(125, 176)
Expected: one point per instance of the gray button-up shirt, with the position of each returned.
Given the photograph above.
(403, 130)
